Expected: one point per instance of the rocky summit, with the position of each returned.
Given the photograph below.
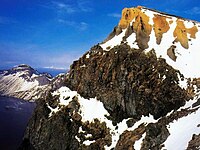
(137, 90)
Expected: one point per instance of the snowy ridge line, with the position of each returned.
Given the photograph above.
(167, 14)
(184, 128)
(24, 82)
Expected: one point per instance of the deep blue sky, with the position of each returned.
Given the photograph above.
(44, 33)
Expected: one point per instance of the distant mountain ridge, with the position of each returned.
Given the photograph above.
(24, 82)
(137, 90)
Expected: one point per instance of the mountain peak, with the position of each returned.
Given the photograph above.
(144, 20)
(172, 37)
(134, 91)
(22, 68)
(22, 81)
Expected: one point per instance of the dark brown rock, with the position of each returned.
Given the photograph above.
(194, 143)
(130, 83)
(156, 134)
(116, 31)
(171, 53)
(99, 134)
(57, 132)
(126, 80)
(128, 138)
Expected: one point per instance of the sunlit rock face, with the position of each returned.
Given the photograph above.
(140, 25)
(161, 26)
(140, 22)
(181, 33)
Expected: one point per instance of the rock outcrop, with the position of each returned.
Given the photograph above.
(141, 26)
(161, 26)
(124, 93)
(181, 33)
(126, 80)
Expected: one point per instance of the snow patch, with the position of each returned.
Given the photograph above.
(88, 55)
(91, 109)
(182, 131)
(116, 40)
(87, 142)
(138, 144)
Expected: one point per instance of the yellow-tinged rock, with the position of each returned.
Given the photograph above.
(128, 14)
(161, 26)
(141, 25)
(180, 33)
(142, 28)
(192, 31)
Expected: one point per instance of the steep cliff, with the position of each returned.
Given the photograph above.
(133, 91)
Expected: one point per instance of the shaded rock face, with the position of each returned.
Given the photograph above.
(57, 132)
(128, 138)
(156, 134)
(126, 80)
(116, 31)
(61, 131)
(194, 143)
(171, 53)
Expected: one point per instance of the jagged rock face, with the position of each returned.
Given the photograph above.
(171, 53)
(116, 31)
(126, 80)
(194, 144)
(61, 130)
(128, 138)
(54, 133)
(123, 94)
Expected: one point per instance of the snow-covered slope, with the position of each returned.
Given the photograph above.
(24, 82)
(173, 38)
(181, 124)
